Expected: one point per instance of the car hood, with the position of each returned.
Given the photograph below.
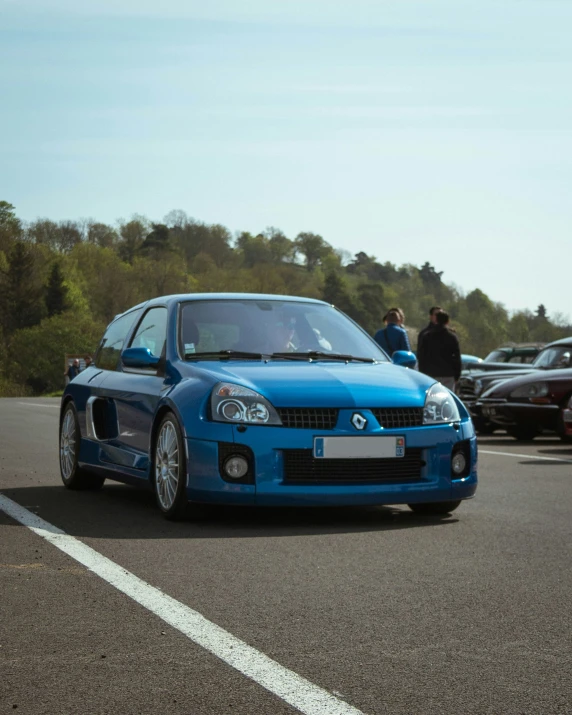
(472, 368)
(320, 383)
(493, 376)
(503, 389)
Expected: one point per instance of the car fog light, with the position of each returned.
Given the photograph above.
(458, 463)
(235, 467)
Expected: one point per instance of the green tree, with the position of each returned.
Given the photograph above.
(371, 306)
(56, 291)
(312, 247)
(132, 234)
(158, 242)
(10, 226)
(20, 290)
(37, 353)
(101, 234)
(336, 292)
(255, 250)
(281, 248)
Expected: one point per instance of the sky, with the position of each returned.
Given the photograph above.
(413, 130)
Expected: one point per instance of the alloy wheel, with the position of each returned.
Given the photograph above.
(68, 445)
(167, 466)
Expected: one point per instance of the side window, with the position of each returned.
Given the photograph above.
(152, 331)
(112, 343)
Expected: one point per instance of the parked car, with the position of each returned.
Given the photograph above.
(515, 353)
(506, 358)
(470, 386)
(528, 404)
(231, 398)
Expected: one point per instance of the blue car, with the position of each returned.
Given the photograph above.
(262, 400)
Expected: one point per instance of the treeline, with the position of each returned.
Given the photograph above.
(61, 282)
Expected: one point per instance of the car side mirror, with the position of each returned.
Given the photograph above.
(405, 358)
(139, 357)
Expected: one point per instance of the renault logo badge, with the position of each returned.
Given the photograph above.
(358, 421)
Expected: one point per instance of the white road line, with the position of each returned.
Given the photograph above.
(39, 404)
(287, 685)
(526, 456)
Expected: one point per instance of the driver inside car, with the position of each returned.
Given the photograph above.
(280, 335)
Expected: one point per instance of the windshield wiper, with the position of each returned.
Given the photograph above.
(226, 355)
(320, 355)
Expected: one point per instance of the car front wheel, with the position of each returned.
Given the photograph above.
(438, 507)
(523, 434)
(564, 429)
(73, 476)
(169, 469)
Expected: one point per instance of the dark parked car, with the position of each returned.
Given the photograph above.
(508, 357)
(471, 385)
(515, 353)
(528, 404)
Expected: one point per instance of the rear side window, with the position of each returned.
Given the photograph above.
(112, 342)
(152, 331)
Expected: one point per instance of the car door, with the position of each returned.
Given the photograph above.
(136, 392)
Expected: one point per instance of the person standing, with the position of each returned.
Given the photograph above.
(439, 355)
(73, 370)
(432, 322)
(393, 337)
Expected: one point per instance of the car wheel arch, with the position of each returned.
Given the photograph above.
(65, 402)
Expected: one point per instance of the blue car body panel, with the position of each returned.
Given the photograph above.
(136, 400)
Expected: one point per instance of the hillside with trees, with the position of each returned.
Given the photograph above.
(62, 282)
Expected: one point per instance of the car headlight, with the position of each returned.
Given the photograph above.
(235, 403)
(440, 406)
(536, 389)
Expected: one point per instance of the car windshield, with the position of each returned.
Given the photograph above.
(557, 356)
(266, 327)
(496, 356)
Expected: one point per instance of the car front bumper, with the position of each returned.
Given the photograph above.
(512, 414)
(273, 486)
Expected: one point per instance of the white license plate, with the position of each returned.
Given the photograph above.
(359, 447)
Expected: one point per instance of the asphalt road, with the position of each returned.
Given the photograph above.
(389, 611)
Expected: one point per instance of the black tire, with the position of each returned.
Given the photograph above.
(72, 475)
(438, 507)
(523, 434)
(171, 498)
(486, 427)
(566, 438)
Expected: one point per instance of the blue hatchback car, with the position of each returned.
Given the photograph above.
(262, 400)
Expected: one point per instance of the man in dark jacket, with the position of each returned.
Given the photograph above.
(440, 355)
(432, 322)
(393, 337)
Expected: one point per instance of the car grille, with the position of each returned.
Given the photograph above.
(398, 417)
(466, 389)
(308, 418)
(300, 466)
(327, 418)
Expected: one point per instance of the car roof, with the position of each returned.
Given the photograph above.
(562, 341)
(185, 297)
